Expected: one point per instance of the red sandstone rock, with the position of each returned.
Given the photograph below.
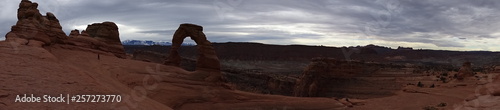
(465, 71)
(100, 36)
(486, 97)
(31, 25)
(208, 65)
(106, 31)
(74, 33)
(84, 34)
(41, 31)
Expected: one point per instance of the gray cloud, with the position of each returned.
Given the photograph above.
(161, 32)
(436, 24)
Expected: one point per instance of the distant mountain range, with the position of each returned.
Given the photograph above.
(149, 42)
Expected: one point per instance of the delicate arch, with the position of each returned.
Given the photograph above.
(207, 58)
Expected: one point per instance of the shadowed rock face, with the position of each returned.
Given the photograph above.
(32, 26)
(107, 31)
(326, 77)
(322, 73)
(84, 33)
(207, 58)
(101, 36)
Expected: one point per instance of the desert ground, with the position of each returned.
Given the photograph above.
(38, 58)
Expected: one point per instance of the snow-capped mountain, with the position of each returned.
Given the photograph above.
(148, 42)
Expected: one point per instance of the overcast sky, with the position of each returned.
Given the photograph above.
(427, 24)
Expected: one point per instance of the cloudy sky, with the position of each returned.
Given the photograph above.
(427, 24)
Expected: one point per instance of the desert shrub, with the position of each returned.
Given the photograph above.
(442, 104)
(430, 108)
(444, 74)
(419, 84)
(443, 79)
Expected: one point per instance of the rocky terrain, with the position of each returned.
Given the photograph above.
(38, 58)
(91, 64)
(396, 83)
(391, 83)
(250, 70)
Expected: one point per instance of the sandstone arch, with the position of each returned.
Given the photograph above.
(207, 64)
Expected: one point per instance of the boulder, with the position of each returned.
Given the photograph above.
(207, 65)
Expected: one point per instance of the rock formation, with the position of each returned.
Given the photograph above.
(326, 77)
(100, 36)
(485, 97)
(74, 33)
(33, 29)
(106, 31)
(32, 26)
(465, 71)
(84, 34)
(317, 75)
(71, 62)
(207, 63)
